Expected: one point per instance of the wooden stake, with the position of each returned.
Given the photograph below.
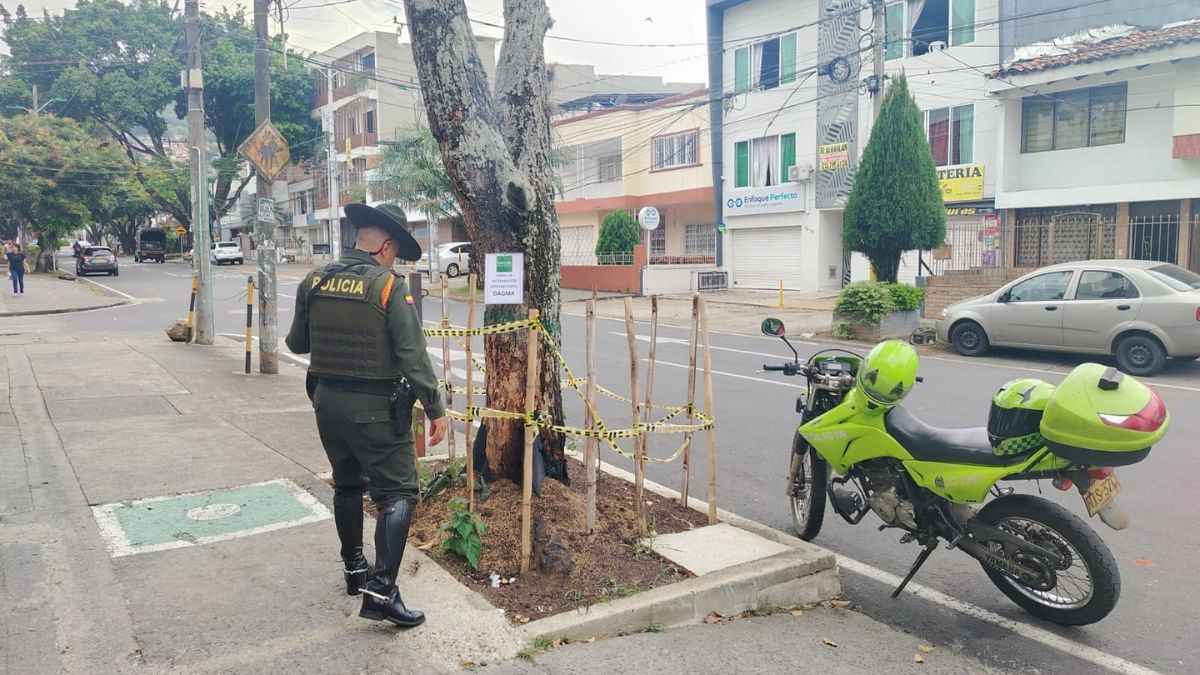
(531, 371)
(647, 414)
(633, 396)
(691, 401)
(708, 408)
(591, 445)
(446, 361)
(469, 450)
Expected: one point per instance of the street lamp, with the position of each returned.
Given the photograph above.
(40, 108)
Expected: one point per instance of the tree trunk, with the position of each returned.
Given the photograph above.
(496, 151)
(886, 264)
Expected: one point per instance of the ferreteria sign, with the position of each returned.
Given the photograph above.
(774, 199)
(962, 183)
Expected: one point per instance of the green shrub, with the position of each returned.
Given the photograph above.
(618, 234)
(866, 301)
(908, 298)
(464, 532)
(843, 331)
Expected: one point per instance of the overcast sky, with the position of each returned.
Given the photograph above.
(658, 22)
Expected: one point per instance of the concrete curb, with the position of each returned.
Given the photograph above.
(805, 574)
(65, 310)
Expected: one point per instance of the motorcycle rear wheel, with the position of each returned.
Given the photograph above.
(1083, 591)
(808, 508)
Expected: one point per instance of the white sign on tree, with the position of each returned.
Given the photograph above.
(504, 279)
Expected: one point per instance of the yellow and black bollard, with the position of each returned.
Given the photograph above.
(249, 318)
(192, 307)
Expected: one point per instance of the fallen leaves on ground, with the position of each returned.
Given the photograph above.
(829, 642)
(797, 612)
(714, 617)
(924, 649)
(917, 658)
(840, 603)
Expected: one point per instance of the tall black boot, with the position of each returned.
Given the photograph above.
(348, 516)
(381, 598)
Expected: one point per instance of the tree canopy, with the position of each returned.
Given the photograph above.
(54, 174)
(619, 233)
(896, 205)
(117, 65)
(411, 174)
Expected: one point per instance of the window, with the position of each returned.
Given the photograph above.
(370, 118)
(609, 168)
(951, 133)
(675, 150)
(1073, 119)
(765, 65)
(699, 240)
(762, 162)
(658, 240)
(368, 61)
(302, 198)
(1096, 285)
(914, 26)
(1043, 287)
(1176, 277)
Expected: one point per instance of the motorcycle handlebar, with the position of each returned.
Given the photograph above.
(768, 368)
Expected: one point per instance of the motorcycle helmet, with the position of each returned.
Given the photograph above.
(888, 373)
(1014, 422)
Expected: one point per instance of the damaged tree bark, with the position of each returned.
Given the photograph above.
(496, 149)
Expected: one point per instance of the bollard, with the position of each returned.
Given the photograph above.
(249, 318)
(192, 306)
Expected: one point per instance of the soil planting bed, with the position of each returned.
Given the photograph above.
(611, 566)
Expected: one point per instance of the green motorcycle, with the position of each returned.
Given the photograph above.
(930, 482)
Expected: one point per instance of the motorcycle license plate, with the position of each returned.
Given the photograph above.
(1101, 493)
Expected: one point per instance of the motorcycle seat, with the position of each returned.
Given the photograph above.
(938, 444)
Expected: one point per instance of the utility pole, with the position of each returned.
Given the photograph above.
(193, 79)
(264, 226)
(877, 35)
(35, 105)
(335, 221)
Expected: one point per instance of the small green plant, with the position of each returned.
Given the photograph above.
(464, 532)
(432, 483)
(866, 301)
(655, 627)
(907, 298)
(540, 644)
(843, 331)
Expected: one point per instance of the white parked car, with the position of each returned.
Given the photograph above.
(225, 252)
(453, 258)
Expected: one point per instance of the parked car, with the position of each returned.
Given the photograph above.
(225, 252)
(453, 258)
(96, 259)
(1140, 311)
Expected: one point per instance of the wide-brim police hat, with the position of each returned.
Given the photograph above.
(390, 218)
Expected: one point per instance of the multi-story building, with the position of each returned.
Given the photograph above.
(627, 157)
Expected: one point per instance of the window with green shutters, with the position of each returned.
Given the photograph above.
(893, 31)
(787, 154)
(787, 59)
(741, 155)
(741, 70)
(962, 22)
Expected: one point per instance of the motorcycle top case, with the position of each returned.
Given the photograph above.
(1102, 417)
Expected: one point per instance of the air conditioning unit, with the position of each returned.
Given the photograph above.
(799, 172)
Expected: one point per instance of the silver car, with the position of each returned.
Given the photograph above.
(1140, 311)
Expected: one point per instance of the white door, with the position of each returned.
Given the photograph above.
(578, 245)
(763, 256)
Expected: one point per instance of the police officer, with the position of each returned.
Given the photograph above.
(357, 319)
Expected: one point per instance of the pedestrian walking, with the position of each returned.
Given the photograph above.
(18, 265)
(357, 319)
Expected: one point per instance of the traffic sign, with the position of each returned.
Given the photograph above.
(266, 149)
(181, 230)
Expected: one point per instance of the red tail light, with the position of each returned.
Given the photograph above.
(1198, 313)
(1099, 474)
(1148, 418)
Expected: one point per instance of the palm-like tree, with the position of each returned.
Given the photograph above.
(411, 174)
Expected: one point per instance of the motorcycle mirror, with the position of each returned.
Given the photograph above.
(773, 328)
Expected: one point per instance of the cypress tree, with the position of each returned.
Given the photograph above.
(896, 204)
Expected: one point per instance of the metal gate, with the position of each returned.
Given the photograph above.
(765, 256)
(1046, 237)
(1154, 238)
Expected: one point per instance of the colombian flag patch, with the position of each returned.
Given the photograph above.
(408, 299)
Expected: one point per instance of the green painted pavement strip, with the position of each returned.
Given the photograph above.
(172, 522)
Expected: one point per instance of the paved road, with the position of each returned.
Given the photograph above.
(956, 604)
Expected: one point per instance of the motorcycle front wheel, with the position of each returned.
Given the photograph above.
(807, 477)
(1080, 590)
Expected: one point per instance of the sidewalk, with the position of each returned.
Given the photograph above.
(97, 579)
(735, 311)
(47, 294)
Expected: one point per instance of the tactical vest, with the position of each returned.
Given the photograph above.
(347, 323)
